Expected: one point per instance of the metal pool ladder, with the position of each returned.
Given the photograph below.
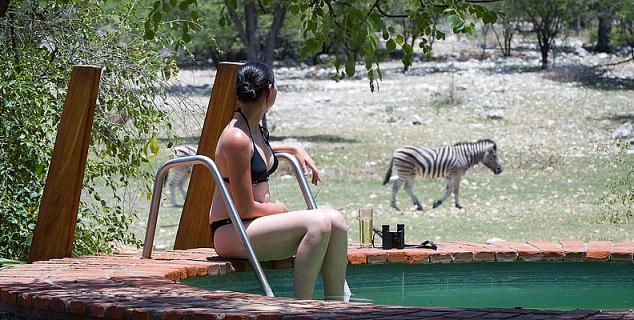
(233, 212)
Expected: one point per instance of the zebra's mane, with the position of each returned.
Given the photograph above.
(479, 141)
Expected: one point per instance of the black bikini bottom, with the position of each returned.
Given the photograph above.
(217, 224)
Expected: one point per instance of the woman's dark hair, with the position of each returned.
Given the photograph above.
(253, 79)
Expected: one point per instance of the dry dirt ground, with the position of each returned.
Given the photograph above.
(553, 131)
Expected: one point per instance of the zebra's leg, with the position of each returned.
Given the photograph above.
(397, 185)
(181, 187)
(409, 183)
(172, 194)
(456, 191)
(447, 194)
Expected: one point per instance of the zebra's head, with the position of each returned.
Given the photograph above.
(490, 158)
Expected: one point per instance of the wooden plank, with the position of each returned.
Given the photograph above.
(193, 229)
(55, 228)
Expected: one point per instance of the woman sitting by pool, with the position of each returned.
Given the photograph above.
(317, 238)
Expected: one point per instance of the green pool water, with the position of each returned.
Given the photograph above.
(560, 286)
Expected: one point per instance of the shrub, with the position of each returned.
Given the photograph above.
(39, 44)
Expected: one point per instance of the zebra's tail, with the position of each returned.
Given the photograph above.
(388, 174)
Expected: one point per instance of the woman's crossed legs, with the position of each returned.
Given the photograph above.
(318, 239)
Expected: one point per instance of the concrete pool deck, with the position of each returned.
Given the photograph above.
(124, 286)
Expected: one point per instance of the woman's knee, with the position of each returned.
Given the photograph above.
(337, 221)
(319, 225)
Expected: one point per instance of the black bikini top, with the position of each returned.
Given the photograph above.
(259, 172)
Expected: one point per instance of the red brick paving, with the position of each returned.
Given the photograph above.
(598, 250)
(574, 250)
(123, 286)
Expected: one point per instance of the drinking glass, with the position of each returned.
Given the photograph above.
(365, 227)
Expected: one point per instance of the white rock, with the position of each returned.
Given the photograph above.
(624, 132)
(495, 114)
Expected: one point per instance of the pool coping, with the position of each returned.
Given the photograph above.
(124, 286)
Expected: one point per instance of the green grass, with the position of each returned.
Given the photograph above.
(517, 205)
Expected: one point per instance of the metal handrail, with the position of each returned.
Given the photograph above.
(233, 212)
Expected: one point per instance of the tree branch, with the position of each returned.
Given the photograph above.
(278, 21)
(236, 21)
(376, 5)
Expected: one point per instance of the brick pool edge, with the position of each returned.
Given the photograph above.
(124, 286)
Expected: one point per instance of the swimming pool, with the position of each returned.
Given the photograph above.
(548, 285)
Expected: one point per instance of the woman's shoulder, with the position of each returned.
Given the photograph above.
(233, 138)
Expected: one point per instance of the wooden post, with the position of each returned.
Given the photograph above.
(193, 229)
(55, 228)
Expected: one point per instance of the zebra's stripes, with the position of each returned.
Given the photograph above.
(449, 162)
(178, 177)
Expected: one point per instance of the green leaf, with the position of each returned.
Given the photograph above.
(154, 145)
(233, 4)
(407, 61)
(186, 37)
(312, 45)
(156, 17)
(454, 21)
(166, 7)
(368, 62)
(399, 39)
(390, 45)
(149, 35)
(407, 48)
(350, 68)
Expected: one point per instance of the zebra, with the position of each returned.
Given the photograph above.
(177, 177)
(449, 162)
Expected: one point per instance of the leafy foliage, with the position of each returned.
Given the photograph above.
(40, 42)
(357, 30)
(623, 34)
(618, 203)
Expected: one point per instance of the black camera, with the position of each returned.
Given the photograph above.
(393, 239)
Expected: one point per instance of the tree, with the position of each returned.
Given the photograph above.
(625, 27)
(248, 28)
(548, 19)
(355, 26)
(507, 24)
(605, 12)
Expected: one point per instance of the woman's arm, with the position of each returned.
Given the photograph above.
(302, 156)
(236, 151)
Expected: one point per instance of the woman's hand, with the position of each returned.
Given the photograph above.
(282, 207)
(307, 164)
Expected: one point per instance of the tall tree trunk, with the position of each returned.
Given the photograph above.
(278, 21)
(251, 23)
(508, 39)
(603, 41)
(544, 49)
(249, 31)
(544, 43)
